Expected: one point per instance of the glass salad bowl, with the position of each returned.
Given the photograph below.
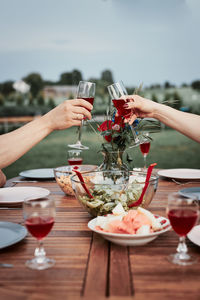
(100, 191)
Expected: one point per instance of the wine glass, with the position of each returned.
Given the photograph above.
(39, 217)
(74, 157)
(145, 147)
(86, 91)
(183, 214)
(118, 95)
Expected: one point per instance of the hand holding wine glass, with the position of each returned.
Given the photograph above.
(86, 91)
(183, 214)
(39, 217)
(119, 97)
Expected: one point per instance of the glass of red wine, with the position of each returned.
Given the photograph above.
(86, 91)
(145, 147)
(118, 94)
(74, 157)
(39, 217)
(183, 214)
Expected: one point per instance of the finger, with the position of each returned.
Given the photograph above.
(83, 103)
(82, 110)
(78, 117)
(76, 123)
(132, 119)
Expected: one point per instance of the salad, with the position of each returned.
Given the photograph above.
(107, 196)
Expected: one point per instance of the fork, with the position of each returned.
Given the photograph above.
(4, 265)
(182, 183)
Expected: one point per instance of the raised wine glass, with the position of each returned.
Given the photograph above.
(145, 147)
(39, 217)
(183, 214)
(86, 91)
(118, 95)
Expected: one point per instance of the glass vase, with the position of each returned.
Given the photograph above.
(113, 160)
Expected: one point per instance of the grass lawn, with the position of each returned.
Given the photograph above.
(169, 149)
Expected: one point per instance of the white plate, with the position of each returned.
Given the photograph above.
(190, 191)
(180, 173)
(11, 233)
(194, 235)
(38, 173)
(14, 195)
(130, 239)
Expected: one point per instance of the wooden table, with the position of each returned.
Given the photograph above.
(88, 266)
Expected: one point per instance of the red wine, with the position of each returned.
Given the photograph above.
(145, 147)
(39, 227)
(182, 220)
(75, 161)
(122, 111)
(90, 100)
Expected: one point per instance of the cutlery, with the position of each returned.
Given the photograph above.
(182, 183)
(21, 181)
(4, 265)
(10, 208)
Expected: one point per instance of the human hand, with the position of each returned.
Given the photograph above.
(141, 107)
(67, 114)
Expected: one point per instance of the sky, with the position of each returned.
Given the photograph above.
(148, 41)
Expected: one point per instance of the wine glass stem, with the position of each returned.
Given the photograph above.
(145, 161)
(40, 253)
(182, 247)
(80, 132)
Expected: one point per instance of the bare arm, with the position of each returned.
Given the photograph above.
(16, 143)
(186, 123)
(2, 179)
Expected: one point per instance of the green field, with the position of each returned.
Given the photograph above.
(169, 149)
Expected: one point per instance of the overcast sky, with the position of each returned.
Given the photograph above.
(149, 41)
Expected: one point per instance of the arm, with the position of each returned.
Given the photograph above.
(16, 143)
(2, 179)
(186, 123)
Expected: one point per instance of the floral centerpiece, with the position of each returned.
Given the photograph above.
(118, 136)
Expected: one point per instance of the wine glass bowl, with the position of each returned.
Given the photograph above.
(39, 217)
(183, 214)
(145, 147)
(118, 95)
(74, 157)
(86, 91)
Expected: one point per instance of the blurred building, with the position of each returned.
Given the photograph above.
(60, 92)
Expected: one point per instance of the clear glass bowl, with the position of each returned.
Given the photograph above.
(62, 175)
(108, 188)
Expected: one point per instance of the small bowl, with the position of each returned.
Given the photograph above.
(62, 175)
(131, 239)
(107, 194)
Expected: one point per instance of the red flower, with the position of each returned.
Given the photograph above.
(106, 125)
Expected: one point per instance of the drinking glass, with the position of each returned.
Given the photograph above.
(118, 95)
(145, 147)
(183, 214)
(86, 91)
(39, 217)
(74, 157)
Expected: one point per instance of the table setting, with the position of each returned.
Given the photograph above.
(109, 231)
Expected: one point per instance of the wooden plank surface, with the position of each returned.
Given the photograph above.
(88, 266)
